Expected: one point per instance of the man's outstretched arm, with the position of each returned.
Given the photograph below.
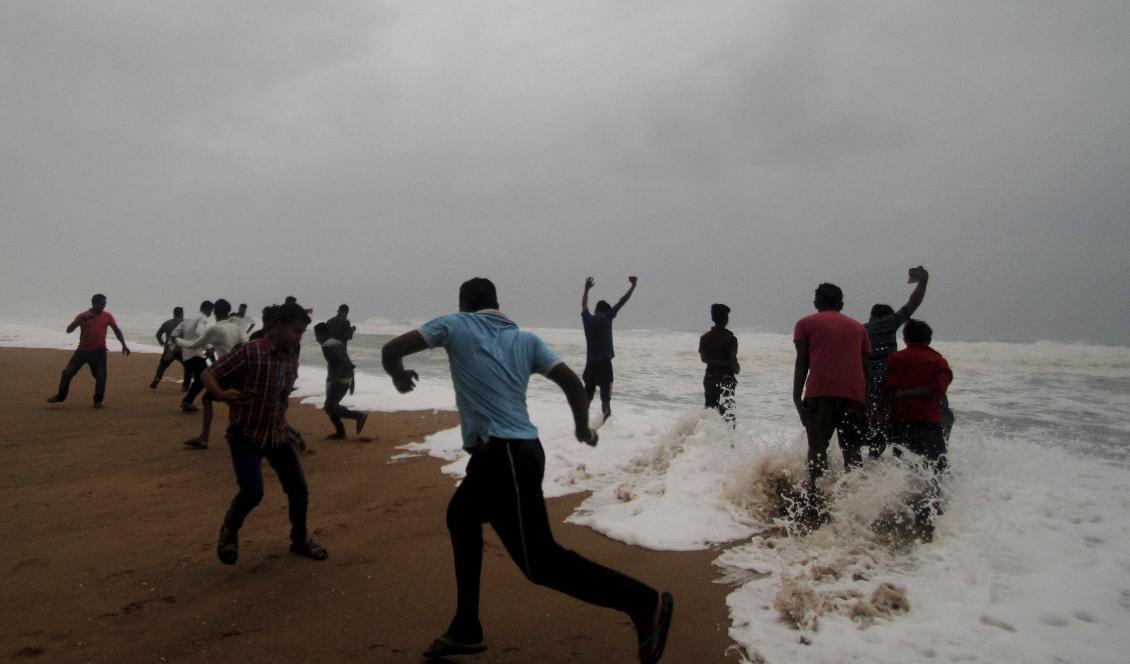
(624, 300)
(919, 293)
(392, 359)
(121, 339)
(589, 283)
(574, 391)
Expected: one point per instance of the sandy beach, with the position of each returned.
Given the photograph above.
(111, 526)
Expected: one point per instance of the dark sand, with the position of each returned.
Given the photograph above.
(110, 528)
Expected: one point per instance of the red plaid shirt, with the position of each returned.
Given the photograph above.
(265, 377)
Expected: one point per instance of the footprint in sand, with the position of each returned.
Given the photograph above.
(30, 562)
(29, 651)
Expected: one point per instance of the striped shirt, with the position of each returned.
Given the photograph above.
(265, 377)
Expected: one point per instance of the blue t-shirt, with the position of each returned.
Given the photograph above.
(598, 335)
(491, 363)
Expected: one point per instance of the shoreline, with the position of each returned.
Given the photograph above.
(112, 557)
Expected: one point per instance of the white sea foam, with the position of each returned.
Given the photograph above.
(1031, 559)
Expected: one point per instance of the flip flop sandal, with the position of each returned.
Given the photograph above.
(651, 647)
(445, 646)
(310, 549)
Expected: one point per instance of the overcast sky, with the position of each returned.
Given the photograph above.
(380, 153)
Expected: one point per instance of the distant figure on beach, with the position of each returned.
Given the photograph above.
(255, 380)
(339, 326)
(598, 339)
(240, 320)
(491, 362)
(290, 299)
(917, 379)
(191, 329)
(832, 354)
(339, 381)
(220, 338)
(882, 328)
(171, 352)
(718, 349)
(267, 320)
(91, 349)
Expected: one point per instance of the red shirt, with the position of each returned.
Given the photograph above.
(93, 332)
(266, 376)
(918, 366)
(836, 346)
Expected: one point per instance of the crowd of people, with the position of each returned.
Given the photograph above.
(849, 379)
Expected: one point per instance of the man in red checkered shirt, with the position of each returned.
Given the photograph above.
(255, 380)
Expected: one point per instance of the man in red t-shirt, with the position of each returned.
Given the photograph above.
(832, 352)
(91, 349)
(917, 378)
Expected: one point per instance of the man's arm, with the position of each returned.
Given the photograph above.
(574, 391)
(161, 330)
(800, 375)
(589, 283)
(919, 293)
(213, 387)
(121, 339)
(624, 300)
(79, 320)
(392, 359)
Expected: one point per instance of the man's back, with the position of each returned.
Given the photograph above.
(598, 335)
(718, 342)
(918, 366)
(882, 330)
(836, 346)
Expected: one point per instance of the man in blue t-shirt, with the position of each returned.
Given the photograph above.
(598, 339)
(491, 363)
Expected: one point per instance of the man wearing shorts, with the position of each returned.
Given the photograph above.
(598, 342)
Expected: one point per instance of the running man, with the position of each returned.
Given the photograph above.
(260, 376)
(171, 352)
(221, 338)
(491, 363)
(91, 349)
(718, 349)
(339, 381)
(190, 330)
(240, 320)
(832, 353)
(598, 340)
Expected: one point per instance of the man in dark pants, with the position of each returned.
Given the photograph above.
(91, 349)
(831, 362)
(339, 381)
(718, 349)
(195, 363)
(598, 341)
(259, 376)
(917, 379)
(171, 352)
(491, 362)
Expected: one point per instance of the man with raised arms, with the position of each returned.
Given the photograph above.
(491, 363)
(598, 342)
(91, 349)
(832, 353)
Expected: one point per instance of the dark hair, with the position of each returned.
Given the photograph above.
(206, 304)
(829, 296)
(881, 310)
(477, 293)
(178, 311)
(343, 308)
(97, 296)
(291, 311)
(290, 299)
(719, 313)
(917, 332)
(603, 306)
(321, 328)
(222, 308)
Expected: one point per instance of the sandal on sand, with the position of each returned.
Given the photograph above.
(196, 443)
(651, 647)
(310, 549)
(445, 646)
(228, 547)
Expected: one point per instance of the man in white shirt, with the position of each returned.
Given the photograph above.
(194, 363)
(222, 338)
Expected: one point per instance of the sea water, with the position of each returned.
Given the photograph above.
(1031, 558)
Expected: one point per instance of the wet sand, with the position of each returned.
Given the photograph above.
(110, 528)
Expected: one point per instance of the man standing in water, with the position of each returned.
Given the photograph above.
(917, 379)
(882, 329)
(220, 338)
(171, 352)
(598, 339)
(339, 327)
(491, 363)
(260, 376)
(718, 349)
(190, 330)
(832, 353)
(91, 349)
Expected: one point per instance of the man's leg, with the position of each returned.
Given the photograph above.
(465, 517)
(77, 360)
(712, 393)
(590, 383)
(201, 441)
(245, 459)
(516, 510)
(849, 430)
(927, 441)
(726, 402)
(195, 366)
(162, 364)
(606, 399)
(187, 380)
(335, 392)
(284, 459)
(98, 370)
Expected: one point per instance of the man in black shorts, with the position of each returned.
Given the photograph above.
(598, 339)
